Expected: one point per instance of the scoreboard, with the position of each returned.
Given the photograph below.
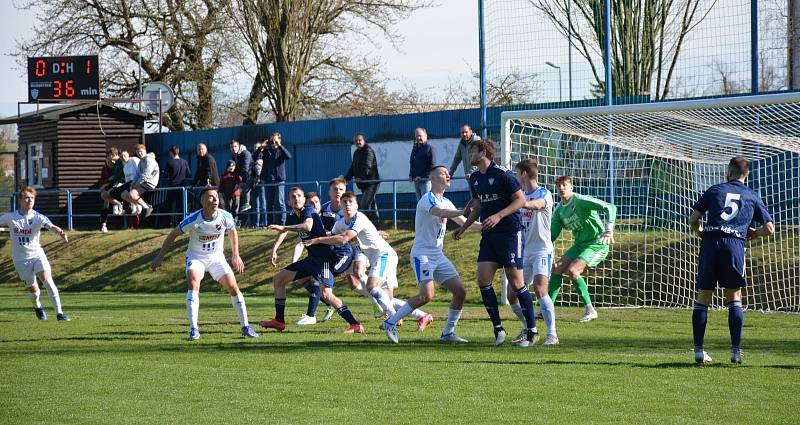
(63, 78)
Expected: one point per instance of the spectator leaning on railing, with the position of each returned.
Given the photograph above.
(229, 185)
(462, 152)
(177, 174)
(421, 161)
(365, 167)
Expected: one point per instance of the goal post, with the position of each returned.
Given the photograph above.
(653, 161)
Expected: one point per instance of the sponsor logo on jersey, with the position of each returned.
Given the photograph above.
(206, 238)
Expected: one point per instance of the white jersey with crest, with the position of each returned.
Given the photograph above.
(369, 240)
(429, 230)
(536, 224)
(25, 230)
(206, 237)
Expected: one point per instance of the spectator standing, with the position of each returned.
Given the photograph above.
(421, 162)
(244, 162)
(258, 196)
(230, 186)
(206, 174)
(177, 174)
(273, 173)
(462, 152)
(365, 167)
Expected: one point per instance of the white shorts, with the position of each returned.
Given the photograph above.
(433, 267)
(384, 267)
(216, 266)
(537, 264)
(27, 269)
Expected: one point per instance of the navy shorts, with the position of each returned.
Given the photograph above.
(323, 271)
(721, 263)
(504, 249)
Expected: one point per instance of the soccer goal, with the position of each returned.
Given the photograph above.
(654, 161)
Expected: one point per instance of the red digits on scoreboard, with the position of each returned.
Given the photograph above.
(69, 88)
(56, 89)
(88, 67)
(40, 68)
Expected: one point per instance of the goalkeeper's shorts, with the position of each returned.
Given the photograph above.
(591, 254)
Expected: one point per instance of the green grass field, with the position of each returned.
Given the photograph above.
(124, 358)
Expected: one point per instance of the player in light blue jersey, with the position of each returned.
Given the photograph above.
(29, 259)
(732, 211)
(206, 229)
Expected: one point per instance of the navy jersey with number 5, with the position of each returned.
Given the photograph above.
(495, 189)
(731, 209)
(320, 251)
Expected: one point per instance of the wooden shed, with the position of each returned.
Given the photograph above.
(63, 147)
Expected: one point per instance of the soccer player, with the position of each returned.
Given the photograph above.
(206, 229)
(428, 260)
(538, 248)
(29, 259)
(322, 264)
(497, 197)
(732, 209)
(580, 214)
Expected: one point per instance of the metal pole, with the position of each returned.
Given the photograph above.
(793, 35)
(569, 47)
(557, 68)
(754, 46)
(609, 94)
(140, 79)
(69, 209)
(482, 64)
(394, 204)
(185, 199)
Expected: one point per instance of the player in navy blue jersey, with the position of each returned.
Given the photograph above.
(733, 210)
(322, 264)
(496, 198)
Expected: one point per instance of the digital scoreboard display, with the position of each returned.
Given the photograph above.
(63, 78)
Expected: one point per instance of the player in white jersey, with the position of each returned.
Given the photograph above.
(428, 260)
(25, 226)
(537, 259)
(206, 229)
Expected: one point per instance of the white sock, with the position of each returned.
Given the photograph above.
(34, 296)
(52, 292)
(192, 307)
(402, 312)
(415, 314)
(361, 289)
(383, 300)
(549, 314)
(237, 301)
(588, 307)
(517, 309)
(452, 321)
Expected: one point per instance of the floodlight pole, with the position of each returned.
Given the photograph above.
(557, 68)
(609, 95)
(754, 71)
(139, 53)
(482, 64)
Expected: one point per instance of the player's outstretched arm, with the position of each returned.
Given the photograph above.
(340, 239)
(236, 260)
(298, 251)
(535, 204)
(694, 222)
(58, 231)
(474, 207)
(278, 242)
(305, 226)
(156, 263)
(460, 220)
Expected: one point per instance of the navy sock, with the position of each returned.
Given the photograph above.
(280, 307)
(313, 299)
(699, 319)
(490, 303)
(347, 315)
(526, 302)
(735, 322)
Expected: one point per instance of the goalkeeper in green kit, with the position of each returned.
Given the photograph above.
(580, 214)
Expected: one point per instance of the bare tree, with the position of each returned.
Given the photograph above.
(646, 38)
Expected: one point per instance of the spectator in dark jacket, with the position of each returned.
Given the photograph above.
(206, 174)
(244, 161)
(365, 167)
(421, 162)
(258, 195)
(177, 173)
(273, 174)
(229, 186)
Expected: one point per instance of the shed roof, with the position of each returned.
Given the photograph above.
(55, 112)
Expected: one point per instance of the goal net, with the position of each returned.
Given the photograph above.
(653, 161)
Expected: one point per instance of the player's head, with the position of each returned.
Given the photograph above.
(421, 135)
(141, 151)
(234, 144)
(202, 149)
(336, 187)
(26, 197)
(297, 198)
(480, 149)
(312, 198)
(440, 176)
(527, 169)
(564, 187)
(359, 140)
(738, 168)
(349, 204)
(209, 197)
(466, 132)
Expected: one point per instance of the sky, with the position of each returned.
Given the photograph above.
(440, 44)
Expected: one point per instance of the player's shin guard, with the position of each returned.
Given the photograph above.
(192, 307)
(383, 300)
(52, 292)
(237, 301)
(347, 315)
(554, 286)
(583, 291)
(490, 303)
(526, 302)
(548, 314)
(735, 322)
(699, 320)
(34, 297)
(313, 299)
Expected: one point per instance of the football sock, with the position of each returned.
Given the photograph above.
(280, 308)
(402, 312)
(237, 301)
(345, 313)
(34, 296)
(699, 319)
(313, 299)
(554, 286)
(452, 321)
(735, 322)
(192, 307)
(517, 309)
(415, 314)
(383, 300)
(52, 292)
(361, 289)
(548, 314)
(490, 303)
(583, 291)
(526, 302)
